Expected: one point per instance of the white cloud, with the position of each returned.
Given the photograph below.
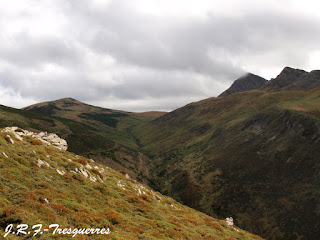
(144, 55)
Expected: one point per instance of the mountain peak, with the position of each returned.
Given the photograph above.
(287, 76)
(296, 79)
(245, 83)
(68, 100)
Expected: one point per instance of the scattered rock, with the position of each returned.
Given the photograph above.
(47, 178)
(9, 139)
(47, 138)
(84, 172)
(92, 178)
(121, 185)
(229, 221)
(41, 162)
(60, 172)
(139, 188)
(44, 200)
(88, 166)
(99, 178)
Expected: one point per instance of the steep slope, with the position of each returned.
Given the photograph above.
(40, 184)
(87, 130)
(245, 83)
(287, 78)
(294, 79)
(254, 155)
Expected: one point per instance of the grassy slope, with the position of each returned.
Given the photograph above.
(253, 155)
(77, 202)
(102, 134)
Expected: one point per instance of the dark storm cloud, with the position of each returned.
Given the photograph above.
(115, 55)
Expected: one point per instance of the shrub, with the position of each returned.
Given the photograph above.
(123, 172)
(79, 178)
(36, 142)
(146, 198)
(113, 217)
(44, 185)
(61, 209)
(216, 226)
(255, 236)
(96, 171)
(133, 199)
(102, 188)
(67, 177)
(82, 161)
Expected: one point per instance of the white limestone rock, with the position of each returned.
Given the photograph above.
(60, 172)
(229, 221)
(47, 138)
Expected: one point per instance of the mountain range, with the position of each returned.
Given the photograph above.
(251, 153)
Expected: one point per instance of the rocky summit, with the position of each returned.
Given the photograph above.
(245, 83)
(295, 79)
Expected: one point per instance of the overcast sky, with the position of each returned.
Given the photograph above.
(140, 55)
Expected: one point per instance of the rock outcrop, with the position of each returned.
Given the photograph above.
(294, 79)
(46, 138)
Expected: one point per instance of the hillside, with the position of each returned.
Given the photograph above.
(41, 184)
(102, 134)
(253, 154)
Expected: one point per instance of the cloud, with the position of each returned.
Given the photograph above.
(133, 56)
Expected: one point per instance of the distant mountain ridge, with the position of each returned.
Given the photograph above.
(288, 79)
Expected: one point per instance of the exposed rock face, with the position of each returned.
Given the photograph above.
(295, 79)
(245, 83)
(47, 138)
(288, 79)
(308, 81)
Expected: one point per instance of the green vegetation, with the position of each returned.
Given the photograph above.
(40, 184)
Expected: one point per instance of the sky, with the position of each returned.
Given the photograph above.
(141, 55)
